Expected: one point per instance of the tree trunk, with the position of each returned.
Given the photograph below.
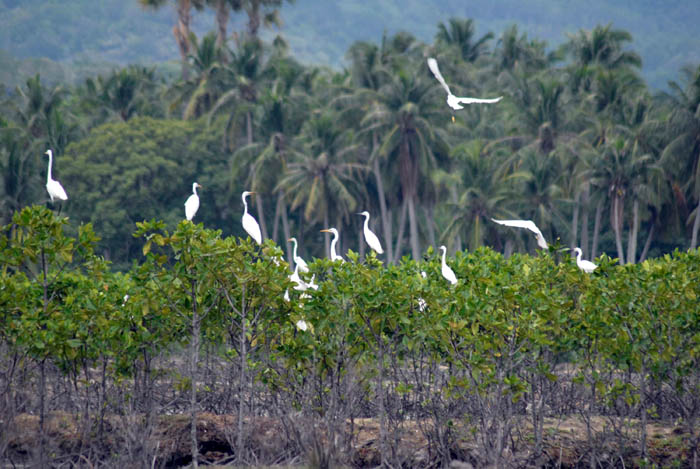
(241, 384)
(617, 227)
(430, 223)
(647, 244)
(632, 242)
(276, 220)
(696, 227)
(574, 222)
(327, 237)
(596, 228)
(386, 221)
(413, 227)
(585, 198)
(181, 31)
(254, 18)
(285, 229)
(222, 13)
(399, 237)
(455, 200)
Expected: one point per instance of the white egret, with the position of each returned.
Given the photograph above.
(455, 102)
(301, 325)
(54, 188)
(192, 203)
(586, 266)
(249, 224)
(301, 263)
(334, 255)
(528, 224)
(370, 237)
(447, 272)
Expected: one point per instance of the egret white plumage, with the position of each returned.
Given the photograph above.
(301, 263)
(301, 325)
(53, 187)
(586, 266)
(370, 237)
(192, 203)
(334, 255)
(249, 224)
(527, 224)
(455, 102)
(447, 272)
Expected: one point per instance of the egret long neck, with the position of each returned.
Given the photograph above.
(194, 188)
(295, 249)
(48, 174)
(245, 205)
(335, 240)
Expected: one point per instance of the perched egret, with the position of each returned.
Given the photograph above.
(54, 188)
(249, 224)
(192, 203)
(447, 272)
(455, 102)
(301, 263)
(586, 266)
(334, 255)
(528, 224)
(301, 325)
(370, 237)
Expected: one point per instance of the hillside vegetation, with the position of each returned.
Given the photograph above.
(120, 32)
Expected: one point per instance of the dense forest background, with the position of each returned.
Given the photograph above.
(96, 34)
(118, 317)
(580, 143)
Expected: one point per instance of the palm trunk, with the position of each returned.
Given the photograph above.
(181, 31)
(455, 200)
(696, 227)
(574, 222)
(222, 13)
(276, 221)
(596, 228)
(632, 242)
(650, 236)
(413, 227)
(399, 238)
(584, 219)
(617, 227)
(386, 221)
(285, 229)
(327, 238)
(430, 224)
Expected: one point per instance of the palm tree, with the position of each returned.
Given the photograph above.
(518, 51)
(324, 177)
(402, 115)
(684, 145)
(268, 16)
(181, 30)
(198, 95)
(486, 192)
(123, 94)
(458, 34)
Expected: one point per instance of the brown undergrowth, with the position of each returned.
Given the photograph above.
(565, 443)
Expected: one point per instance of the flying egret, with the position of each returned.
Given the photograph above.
(249, 224)
(528, 224)
(301, 263)
(54, 188)
(586, 266)
(447, 272)
(334, 255)
(192, 203)
(455, 102)
(370, 237)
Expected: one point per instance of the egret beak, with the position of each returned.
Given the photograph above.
(453, 119)
(289, 240)
(326, 231)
